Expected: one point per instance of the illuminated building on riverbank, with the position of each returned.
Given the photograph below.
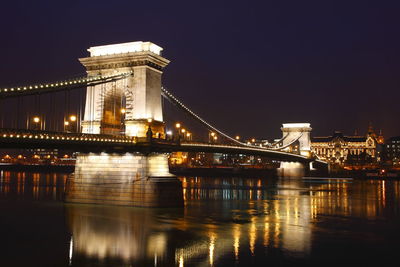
(339, 148)
(392, 149)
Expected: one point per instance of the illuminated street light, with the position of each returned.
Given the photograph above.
(123, 111)
(183, 130)
(253, 140)
(178, 125)
(36, 119)
(66, 123)
(72, 118)
(212, 134)
(237, 137)
(215, 137)
(169, 133)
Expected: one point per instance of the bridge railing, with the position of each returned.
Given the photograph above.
(22, 134)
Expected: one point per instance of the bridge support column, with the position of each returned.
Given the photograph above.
(127, 179)
(291, 169)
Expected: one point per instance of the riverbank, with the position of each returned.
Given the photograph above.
(226, 171)
(38, 168)
(216, 171)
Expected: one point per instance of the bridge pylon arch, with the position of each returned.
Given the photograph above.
(297, 133)
(138, 95)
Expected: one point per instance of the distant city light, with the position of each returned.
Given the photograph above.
(36, 119)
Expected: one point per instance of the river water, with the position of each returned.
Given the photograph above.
(225, 222)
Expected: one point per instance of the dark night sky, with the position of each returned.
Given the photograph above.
(246, 66)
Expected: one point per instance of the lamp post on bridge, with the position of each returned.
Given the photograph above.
(212, 137)
(178, 130)
(36, 123)
(74, 122)
(123, 112)
(71, 124)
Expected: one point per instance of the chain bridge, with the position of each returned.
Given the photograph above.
(119, 129)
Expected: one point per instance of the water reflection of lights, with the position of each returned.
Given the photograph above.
(181, 261)
(252, 235)
(115, 233)
(38, 186)
(236, 240)
(71, 249)
(281, 218)
(211, 248)
(266, 234)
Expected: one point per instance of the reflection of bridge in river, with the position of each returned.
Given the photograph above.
(224, 219)
(230, 223)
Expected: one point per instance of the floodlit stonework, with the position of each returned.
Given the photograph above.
(127, 179)
(338, 147)
(297, 134)
(141, 91)
(133, 102)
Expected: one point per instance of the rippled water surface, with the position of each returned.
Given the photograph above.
(225, 222)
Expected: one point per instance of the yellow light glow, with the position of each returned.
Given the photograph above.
(237, 137)
(253, 140)
(183, 130)
(211, 248)
(123, 111)
(36, 119)
(66, 123)
(212, 134)
(72, 118)
(178, 125)
(149, 120)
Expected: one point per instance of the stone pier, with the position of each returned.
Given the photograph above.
(127, 179)
(291, 169)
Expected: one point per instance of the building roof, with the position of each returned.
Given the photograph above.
(338, 135)
(394, 138)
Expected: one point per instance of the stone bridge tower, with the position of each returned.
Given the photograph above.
(132, 179)
(138, 96)
(300, 132)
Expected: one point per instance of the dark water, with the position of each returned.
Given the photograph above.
(225, 222)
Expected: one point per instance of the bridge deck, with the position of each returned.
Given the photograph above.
(79, 142)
